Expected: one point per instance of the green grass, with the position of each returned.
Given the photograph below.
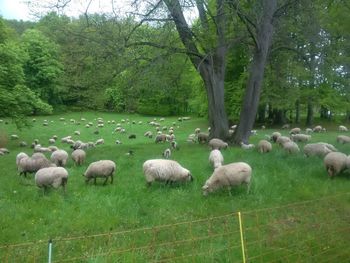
(278, 179)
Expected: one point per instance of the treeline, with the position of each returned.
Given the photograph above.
(102, 63)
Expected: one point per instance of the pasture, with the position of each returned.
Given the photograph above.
(278, 179)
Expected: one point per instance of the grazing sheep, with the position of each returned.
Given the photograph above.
(22, 144)
(217, 144)
(191, 138)
(197, 130)
(343, 139)
(4, 150)
(216, 159)
(33, 164)
(76, 132)
(317, 128)
(275, 136)
(282, 140)
(53, 148)
(51, 176)
(343, 128)
(264, 146)
(308, 130)
(78, 156)
(118, 142)
(65, 139)
(295, 131)
(167, 153)
(318, 149)
(202, 137)
(59, 157)
(103, 168)
(52, 141)
(247, 146)
(165, 170)
(100, 141)
(285, 126)
(291, 147)
(335, 163)
(300, 137)
(148, 134)
(160, 138)
(19, 157)
(14, 137)
(228, 175)
(39, 149)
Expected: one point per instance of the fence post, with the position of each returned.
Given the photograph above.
(242, 238)
(50, 250)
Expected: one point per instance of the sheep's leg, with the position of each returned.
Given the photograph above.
(105, 182)
(248, 188)
(111, 178)
(95, 180)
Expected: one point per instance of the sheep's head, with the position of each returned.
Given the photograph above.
(187, 176)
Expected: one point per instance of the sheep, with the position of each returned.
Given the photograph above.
(228, 175)
(100, 141)
(4, 150)
(52, 141)
(215, 158)
(335, 162)
(22, 144)
(197, 130)
(191, 138)
(264, 146)
(217, 144)
(247, 146)
(300, 137)
(76, 132)
(14, 137)
(291, 147)
(343, 128)
(286, 126)
(308, 130)
(118, 142)
(343, 139)
(174, 145)
(19, 157)
(160, 138)
(78, 156)
(275, 136)
(167, 153)
(65, 139)
(318, 149)
(317, 128)
(165, 170)
(39, 149)
(51, 176)
(148, 134)
(202, 137)
(33, 164)
(53, 148)
(59, 157)
(282, 140)
(103, 168)
(295, 131)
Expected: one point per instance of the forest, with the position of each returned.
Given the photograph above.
(145, 63)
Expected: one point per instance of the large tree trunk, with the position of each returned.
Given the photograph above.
(310, 113)
(253, 89)
(297, 111)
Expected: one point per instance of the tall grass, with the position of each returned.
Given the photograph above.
(27, 214)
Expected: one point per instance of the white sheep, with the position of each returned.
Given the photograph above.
(165, 170)
(228, 175)
(216, 143)
(100, 141)
(274, 136)
(318, 149)
(300, 137)
(51, 176)
(247, 146)
(335, 163)
(295, 131)
(282, 140)
(4, 150)
(167, 153)
(33, 164)
(309, 130)
(342, 128)
(264, 146)
(343, 139)
(19, 157)
(317, 128)
(59, 157)
(78, 156)
(52, 141)
(14, 137)
(291, 147)
(216, 159)
(103, 168)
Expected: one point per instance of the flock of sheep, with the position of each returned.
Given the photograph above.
(51, 173)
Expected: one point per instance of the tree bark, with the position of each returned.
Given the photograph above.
(297, 111)
(253, 89)
(310, 113)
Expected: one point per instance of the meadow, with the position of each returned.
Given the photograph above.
(27, 214)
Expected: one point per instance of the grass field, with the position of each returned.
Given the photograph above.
(278, 179)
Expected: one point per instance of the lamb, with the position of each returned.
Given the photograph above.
(228, 175)
(295, 131)
(33, 164)
(103, 168)
(202, 137)
(335, 163)
(291, 147)
(320, 149)
(247, 146)
(342, 128)
(264, 146)
(165, 170)
(282, 140)
(215, 158)
(167, 153)
(217, 144)
(300, 137)
(59, 157)
(78, 156)
(343, 139)
(275, 136)
(51, 176)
